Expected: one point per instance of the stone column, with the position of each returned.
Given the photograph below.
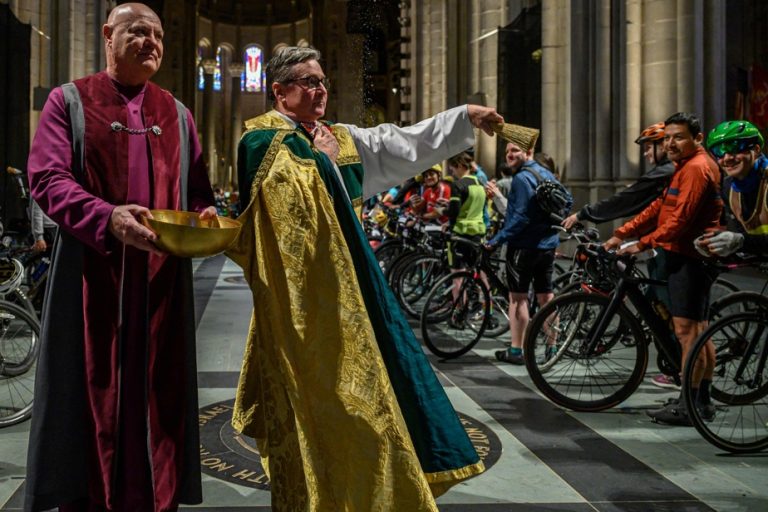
(578, 113)
(690, 69)
(634, 93)
(209, 133)
(556, 86)
(602, 100)
(659, 67)
(236, 122)
(189, 51)
(714, 48)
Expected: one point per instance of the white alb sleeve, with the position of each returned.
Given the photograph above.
(390, 154)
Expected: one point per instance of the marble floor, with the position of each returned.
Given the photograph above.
(539, 457)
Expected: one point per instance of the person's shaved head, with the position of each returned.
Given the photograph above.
(133, 38)
(128, 11)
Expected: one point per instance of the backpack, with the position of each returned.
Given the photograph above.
(553, 198)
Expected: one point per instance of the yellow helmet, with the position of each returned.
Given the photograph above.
(380, 218)
(435, 168)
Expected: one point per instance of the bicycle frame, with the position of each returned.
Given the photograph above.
(628, 287)
(752, 346)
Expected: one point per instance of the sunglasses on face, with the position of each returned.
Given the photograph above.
(732, 147)
(311, 82)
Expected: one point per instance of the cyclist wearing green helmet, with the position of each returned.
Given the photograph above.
(737, 146)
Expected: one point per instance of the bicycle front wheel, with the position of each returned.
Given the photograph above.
(577, 374)
(19, 332)
(455, 314)
(739, 387)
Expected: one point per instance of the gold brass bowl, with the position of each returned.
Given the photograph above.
(184, 234)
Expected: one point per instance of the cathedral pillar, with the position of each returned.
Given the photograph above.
(236, 122)
(209, 132)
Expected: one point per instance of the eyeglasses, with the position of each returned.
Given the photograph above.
(311, 82)
(732, 147)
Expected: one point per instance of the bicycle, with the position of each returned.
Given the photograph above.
(19, 332)
(588, 351)
(22, 278)
(461, 306)
(739, 387)
(569, 278)
(415, 272)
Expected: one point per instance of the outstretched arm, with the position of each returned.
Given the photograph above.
(390, 153)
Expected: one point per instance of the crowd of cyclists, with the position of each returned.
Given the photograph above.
(703, 201)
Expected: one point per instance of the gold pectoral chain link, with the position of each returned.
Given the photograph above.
(117, 126)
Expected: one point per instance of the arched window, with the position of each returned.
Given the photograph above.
(217, 73)
(254, 79)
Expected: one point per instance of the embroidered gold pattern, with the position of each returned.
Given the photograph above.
(313, 390)
(347, 150)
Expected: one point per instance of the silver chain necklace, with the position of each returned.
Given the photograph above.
(117, 126)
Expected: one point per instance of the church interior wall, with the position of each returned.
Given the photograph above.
(671, 55)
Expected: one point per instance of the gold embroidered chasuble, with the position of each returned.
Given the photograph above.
(314, 391)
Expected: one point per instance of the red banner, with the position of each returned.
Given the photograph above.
(758, 97)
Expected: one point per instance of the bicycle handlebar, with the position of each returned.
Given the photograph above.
(579, 232)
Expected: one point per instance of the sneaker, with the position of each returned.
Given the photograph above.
(667, 403)
(506, 357)
(707, 412)
(665, 381)
(456, 321)
(549, 353)
(672, 414)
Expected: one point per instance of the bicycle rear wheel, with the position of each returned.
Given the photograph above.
(18, 347)
(737, 302)
(19, 332)
(398, 263)
(739, 385)
(455, 314)
(570, 372)
(721, 288)
(414, 282)
(387, 252)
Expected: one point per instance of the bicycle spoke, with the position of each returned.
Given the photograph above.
(577, 374)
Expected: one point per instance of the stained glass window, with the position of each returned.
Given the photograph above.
(217, 73)
(254, 79)
(200, 70)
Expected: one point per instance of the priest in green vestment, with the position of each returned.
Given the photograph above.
(347, 413)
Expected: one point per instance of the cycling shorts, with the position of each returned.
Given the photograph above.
(530, 265)
(689, 281)
(462, 255)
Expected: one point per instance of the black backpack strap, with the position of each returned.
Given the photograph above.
(536, 174)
